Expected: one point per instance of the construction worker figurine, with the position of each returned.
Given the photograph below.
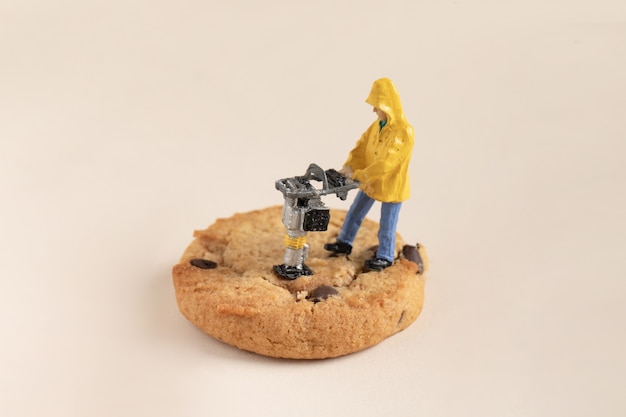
(379, 162)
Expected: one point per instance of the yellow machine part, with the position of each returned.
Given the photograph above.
(295, 242)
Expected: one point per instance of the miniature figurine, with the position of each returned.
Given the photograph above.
(304, 211)
(379, 162)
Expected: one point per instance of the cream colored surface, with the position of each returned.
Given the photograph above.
(124, 125)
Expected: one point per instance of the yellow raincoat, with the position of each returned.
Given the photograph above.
(380, 159)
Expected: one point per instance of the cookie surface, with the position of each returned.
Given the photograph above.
(225, 285)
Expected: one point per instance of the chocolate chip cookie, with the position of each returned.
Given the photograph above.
(226, 286)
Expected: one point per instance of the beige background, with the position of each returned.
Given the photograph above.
(124, 125)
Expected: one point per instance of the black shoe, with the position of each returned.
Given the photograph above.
(339, 247)
(377, 264)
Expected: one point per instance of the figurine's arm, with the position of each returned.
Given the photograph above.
(398, 148)
(356, 158)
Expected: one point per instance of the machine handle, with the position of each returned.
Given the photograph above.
(315, 172)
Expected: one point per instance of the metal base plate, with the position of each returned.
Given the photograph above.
(292, 272)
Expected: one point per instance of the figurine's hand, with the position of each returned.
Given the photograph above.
(346, 172)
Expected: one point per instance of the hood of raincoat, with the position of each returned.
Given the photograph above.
(385, 97)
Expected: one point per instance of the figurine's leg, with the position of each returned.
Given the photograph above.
(389, 214)
(357, 212)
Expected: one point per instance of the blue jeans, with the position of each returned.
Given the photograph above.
(389, 213)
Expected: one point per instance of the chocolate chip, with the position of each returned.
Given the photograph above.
(322, 293)
(203, 263)
(412, 254)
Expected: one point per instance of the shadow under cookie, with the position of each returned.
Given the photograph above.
(226, 286)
